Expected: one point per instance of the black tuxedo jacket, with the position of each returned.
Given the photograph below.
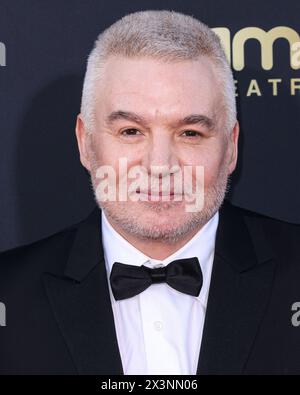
(59, 318)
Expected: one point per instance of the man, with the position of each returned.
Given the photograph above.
(148, 283)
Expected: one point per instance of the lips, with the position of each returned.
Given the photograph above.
(161, 193)
(157, 194)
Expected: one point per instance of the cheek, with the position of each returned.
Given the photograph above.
(118, 157)
(105, 151)
(212, 161)
(216, 169)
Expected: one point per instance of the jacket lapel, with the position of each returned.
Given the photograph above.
(241, 283)
(81, 303)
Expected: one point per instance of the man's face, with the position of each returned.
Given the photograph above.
(140, 108)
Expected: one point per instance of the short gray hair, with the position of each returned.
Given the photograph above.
(163, 35)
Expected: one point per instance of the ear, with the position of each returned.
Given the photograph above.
(233, 146)
(83, 143)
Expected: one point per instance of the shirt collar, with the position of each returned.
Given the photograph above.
(201, 245)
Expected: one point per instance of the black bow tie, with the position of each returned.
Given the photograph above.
(184, 275)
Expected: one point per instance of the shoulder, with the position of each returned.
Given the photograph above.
(267, 222)
(282, 236)
(44, 254)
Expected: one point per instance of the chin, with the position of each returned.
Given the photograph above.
(149, 214)
(165, 218)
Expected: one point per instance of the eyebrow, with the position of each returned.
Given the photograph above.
(192, 119)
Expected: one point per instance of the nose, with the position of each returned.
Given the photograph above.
(160, 154)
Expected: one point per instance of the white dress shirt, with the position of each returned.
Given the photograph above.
(159, 331)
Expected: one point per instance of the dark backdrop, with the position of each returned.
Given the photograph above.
(43, 187)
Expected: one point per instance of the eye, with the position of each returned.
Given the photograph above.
(130, 132)
(191, 133)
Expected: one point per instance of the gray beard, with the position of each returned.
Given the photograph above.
(213, 200)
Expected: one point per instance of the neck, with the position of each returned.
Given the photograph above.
(155, 249)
